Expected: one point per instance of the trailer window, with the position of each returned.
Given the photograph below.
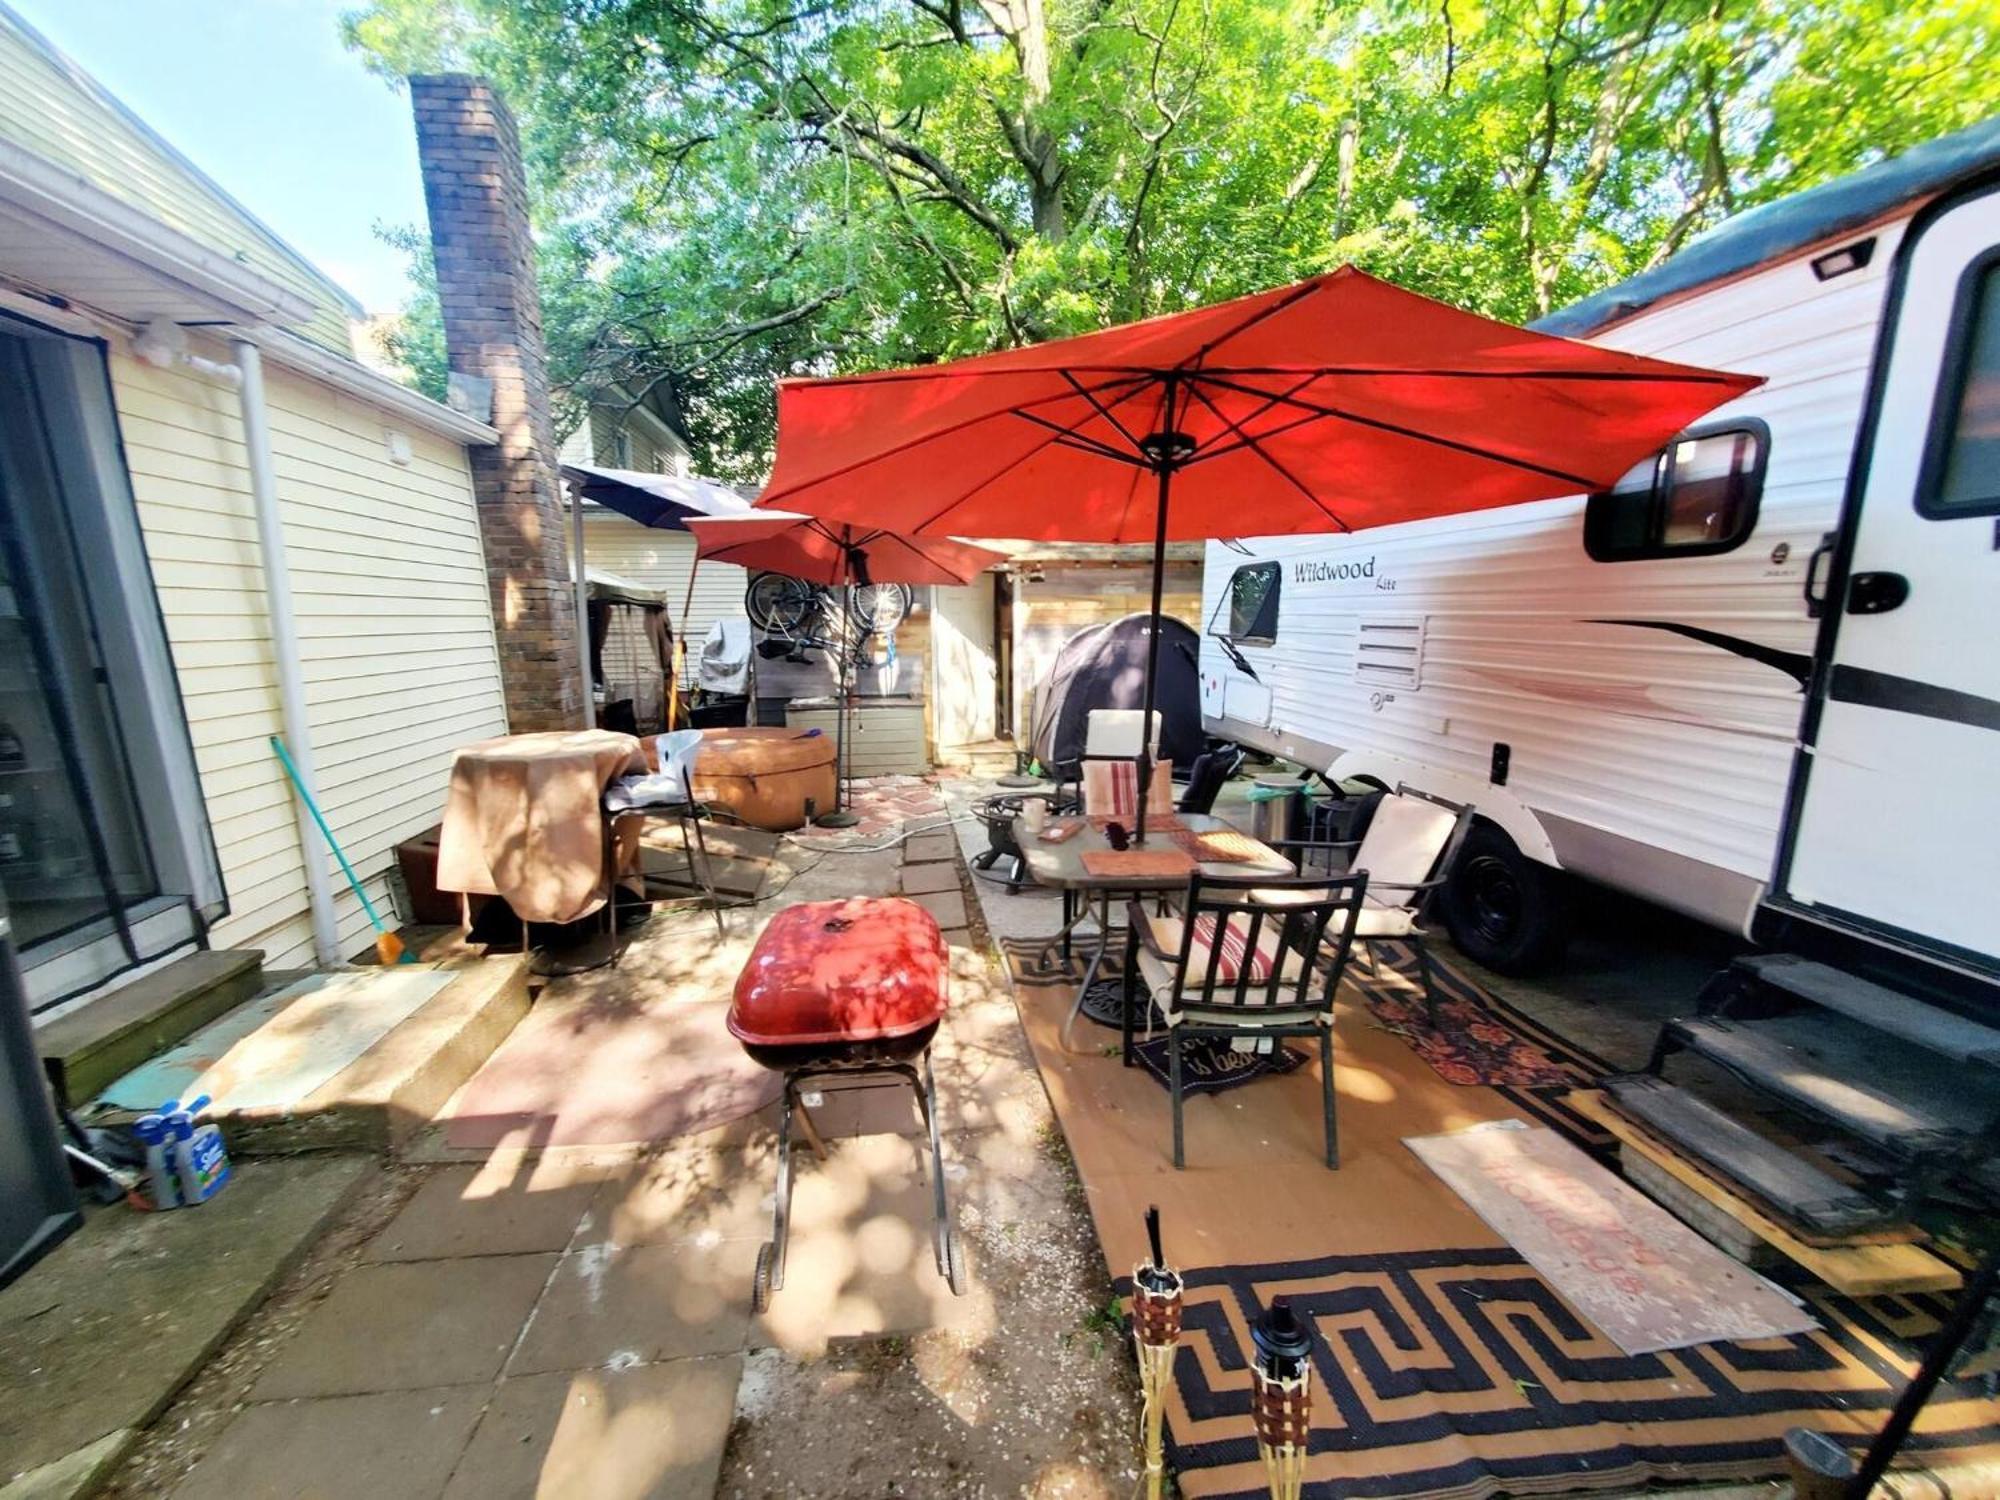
(1695, 497)
(1253, 602)
(1961, 475)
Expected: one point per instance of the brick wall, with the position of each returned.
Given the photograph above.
(477, 194)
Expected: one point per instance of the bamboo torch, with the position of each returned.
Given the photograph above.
(1281, 1397)
(1156, 1329)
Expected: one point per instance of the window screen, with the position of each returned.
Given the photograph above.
(1696, 496)
(1253, 602)
(1962, 462)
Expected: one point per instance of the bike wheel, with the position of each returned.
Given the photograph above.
(879, 607)
(779, 605)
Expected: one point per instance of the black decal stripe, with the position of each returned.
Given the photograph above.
(1794, 664)
(1905, 695)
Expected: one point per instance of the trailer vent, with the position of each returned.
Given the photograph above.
(1389, 651)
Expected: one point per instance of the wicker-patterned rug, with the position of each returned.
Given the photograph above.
(1444, 1366)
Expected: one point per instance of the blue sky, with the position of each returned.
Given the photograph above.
(262, 97)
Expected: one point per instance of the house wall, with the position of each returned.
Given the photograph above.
(963, 686)
(660, 559)
(395, 629)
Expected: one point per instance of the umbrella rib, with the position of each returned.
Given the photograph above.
(1297, 294)
(1582, 482)
(1104, 410)
(1069, 438)
(1253, 445)
(1014, 463)
(918, 441)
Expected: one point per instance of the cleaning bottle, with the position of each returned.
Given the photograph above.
(200, 1161)
(163, 1188)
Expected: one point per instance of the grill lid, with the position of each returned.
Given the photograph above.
(827, 972)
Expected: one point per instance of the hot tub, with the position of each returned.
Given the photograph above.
(765, 777)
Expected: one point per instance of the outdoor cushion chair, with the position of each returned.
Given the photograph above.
(1407, 854)
(1111, 788)
(1244, 959)
(668, 793)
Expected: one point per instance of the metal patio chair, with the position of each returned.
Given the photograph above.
(1407, 852)
(1244, 958)
(666, 793)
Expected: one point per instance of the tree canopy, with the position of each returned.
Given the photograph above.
(733, 190)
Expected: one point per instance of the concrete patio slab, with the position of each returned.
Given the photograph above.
(924, 880)
(650, 1432)
(609, 1067)
(395, 1445)
(408, 1326)
(468, 1210)
(609, 1305)
(697, 1197)
(947, 906)
(97, 1338)
(929, 848)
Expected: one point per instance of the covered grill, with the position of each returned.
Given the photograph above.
(842, 995)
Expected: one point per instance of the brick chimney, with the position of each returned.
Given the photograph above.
(477, 194)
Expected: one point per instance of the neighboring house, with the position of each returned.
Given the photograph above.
(167, 603)
(619, 432)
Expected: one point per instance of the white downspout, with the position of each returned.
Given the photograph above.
(285, 645)
(582, 604)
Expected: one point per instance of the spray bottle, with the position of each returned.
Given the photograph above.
(163, 1188)
(200, 1162)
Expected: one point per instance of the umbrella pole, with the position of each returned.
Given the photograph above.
(840, 817)
(1146, 753)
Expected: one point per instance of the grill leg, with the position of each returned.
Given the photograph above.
(771, 1260)
(944, 1239)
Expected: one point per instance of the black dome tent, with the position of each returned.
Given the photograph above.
(1105, 667)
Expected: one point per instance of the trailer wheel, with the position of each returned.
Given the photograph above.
(1504, 910)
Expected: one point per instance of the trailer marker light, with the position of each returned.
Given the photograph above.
(1847, 258)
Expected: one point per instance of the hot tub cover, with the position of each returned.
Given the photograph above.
(841, 971)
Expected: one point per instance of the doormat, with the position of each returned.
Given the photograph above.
(1210, 1065)
(1639, 1274)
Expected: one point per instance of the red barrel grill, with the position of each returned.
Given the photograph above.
(841, 995)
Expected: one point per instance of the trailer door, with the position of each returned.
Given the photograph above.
(1897, 796)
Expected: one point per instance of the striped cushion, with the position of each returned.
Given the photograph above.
(1234, 943)
(1111, 788)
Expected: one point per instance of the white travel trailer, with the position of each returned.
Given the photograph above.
(1759, 681)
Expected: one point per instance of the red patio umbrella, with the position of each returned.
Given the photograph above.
(1336, 404)
(835, 555)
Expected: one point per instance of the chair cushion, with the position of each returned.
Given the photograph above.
(1161, 936)
(1111, 788)
(1381, 919)
(1404, 839)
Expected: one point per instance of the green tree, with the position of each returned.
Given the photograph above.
(734, 190)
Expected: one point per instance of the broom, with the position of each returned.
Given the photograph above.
(388, 947)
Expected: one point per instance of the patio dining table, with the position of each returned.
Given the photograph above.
(1064, 866)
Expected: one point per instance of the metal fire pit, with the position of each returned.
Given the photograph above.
(842, 996)
(996, 814)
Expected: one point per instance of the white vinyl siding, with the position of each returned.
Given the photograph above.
(657, 558)
(395, 629)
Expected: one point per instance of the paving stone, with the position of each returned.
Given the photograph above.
(471, 1210)
(921, 880)
(98, 1337)
(860, 1263)
(405, 1326)
(397, 1445)
(685, 1197)
(929, 848)
(608, 1304)
(947, 906)
(651, 1432)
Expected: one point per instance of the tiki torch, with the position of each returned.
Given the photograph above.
(1281, 1397)
(1156, 1329)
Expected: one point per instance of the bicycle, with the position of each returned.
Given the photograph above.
(781, 605)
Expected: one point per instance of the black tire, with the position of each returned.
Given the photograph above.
(787, 605)
(761, 594)
(1504, 910)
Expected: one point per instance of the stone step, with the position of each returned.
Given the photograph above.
(111, 1034)
(355, 1061)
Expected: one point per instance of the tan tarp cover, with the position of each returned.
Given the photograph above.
(524, 820)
